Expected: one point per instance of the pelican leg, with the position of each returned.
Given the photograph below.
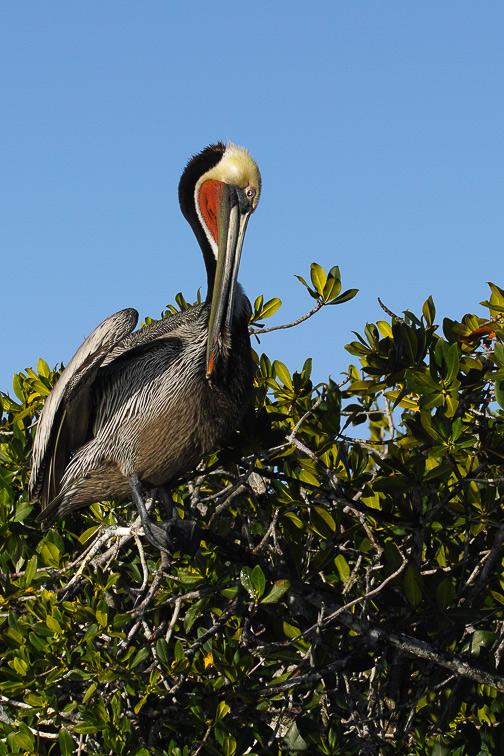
(163, 496)
(168, 536)
(155, 534)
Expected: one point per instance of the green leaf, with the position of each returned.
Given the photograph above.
(88, 727)
(452, 362)
(345, 297)
(140, 656)
(322, 522)
(297, 521)
(178, 651)
(499, 388)
(91, 632)
(334, 273)
(413, 582)
(43, 368)
(53, 624)
(445, 593)
(33, 700)
(290, 630)
(20, 666)
(258, 305)
(18, 388)
(229, 746)
(31, 570)
(342, 566)
(331, 289)
(50, 554)
(429, 311)
(120, 620)
(293, 739)
(307, 368)
(499, 354)
(282, 372)
(89, 692)
(312, 292)
(440, 748)
(22, 511)
(318, 278)
(482, 639)
(253, 580)
(23, 742)
(496, 303)
(102, 613)
(194, 612)
(270, 308)
(88, 533)
(279, 588)
(384, 328)
(222, 710)
(162, 651)
(307, 477)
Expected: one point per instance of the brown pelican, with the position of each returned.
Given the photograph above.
(136, 410)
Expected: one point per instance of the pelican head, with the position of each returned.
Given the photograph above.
(218, 191)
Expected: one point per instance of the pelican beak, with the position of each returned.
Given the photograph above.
(233, 212)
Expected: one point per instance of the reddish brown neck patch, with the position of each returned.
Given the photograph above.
(209, 197)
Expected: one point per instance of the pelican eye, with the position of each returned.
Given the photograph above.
(250, 192)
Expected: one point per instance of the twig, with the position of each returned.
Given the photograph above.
(418, 648)
(139, 610)
(274, 690)
(268, 533)
(301, 447)
(390, 419)
(174, 618)
(323, 622)
(235, 490)
(255, 331)
(390, 313)
(310, 412)
(143, 563)
(13, 702)
(226, 614)
(488, 565)
(273, 735)
(205, 738)
(203, 639)
(111, 532)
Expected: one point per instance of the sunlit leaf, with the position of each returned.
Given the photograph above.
(282, 373)
(318, 278)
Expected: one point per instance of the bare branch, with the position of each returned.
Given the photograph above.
(257, 331)
(417, 648)
(390, 313)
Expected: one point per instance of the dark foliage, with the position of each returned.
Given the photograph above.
(348, 597)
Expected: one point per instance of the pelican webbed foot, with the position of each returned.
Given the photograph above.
(171, 535)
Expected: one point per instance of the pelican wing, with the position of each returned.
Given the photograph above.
(146, 338)
(64, 421)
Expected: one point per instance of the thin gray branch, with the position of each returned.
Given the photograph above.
(257, 331)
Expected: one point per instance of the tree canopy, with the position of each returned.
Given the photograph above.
(347, 596)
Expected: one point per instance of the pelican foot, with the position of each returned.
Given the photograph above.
(169, 536)
(173, 535)
(184, 535)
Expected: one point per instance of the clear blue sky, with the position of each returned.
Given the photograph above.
(378, 128)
